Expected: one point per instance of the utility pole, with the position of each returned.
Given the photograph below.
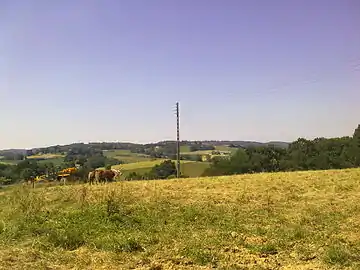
(177, 140)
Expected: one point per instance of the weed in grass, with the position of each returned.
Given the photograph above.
(200, 255)
(130, 245)
(265, 249)
(83, 196)
(337, 254)
(27, 202)
(69, 239)
(112, 205)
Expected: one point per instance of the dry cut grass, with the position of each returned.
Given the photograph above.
(300, 220)
(46, 156)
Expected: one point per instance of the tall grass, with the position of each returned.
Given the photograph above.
(263, 221)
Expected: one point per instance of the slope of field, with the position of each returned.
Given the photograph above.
(56, 159)
(305, 220)
(189, 168)
(6, 161)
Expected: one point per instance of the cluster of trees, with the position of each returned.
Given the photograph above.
(157, 150)
(165, 170)
(63, 149)
(317, 154)
(198, 146)
(87, 156)
(26, 169)
(12, 155)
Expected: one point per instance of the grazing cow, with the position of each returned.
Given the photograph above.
(107, 176)
(103, 176)
(91, 177)
(98, 176)
(117, 173)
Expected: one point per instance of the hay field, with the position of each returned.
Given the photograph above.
(46, 156)
(299, 220)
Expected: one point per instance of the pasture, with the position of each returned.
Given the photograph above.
(126, 155)
(7, 161)
(298, 220)
(189, 168)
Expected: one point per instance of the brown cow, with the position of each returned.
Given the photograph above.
(102, 176)
(107, 176)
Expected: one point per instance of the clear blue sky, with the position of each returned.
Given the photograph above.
(88, 70)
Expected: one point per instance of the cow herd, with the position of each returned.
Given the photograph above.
(103, 176)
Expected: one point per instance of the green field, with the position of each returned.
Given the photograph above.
(54, 158)
(189, 168)
(298, 220)
(126, 155)
(6, 161)
(55, 161)
(184, 148)
(225, 148)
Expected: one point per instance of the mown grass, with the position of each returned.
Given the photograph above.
(301, 220)
(46, 156)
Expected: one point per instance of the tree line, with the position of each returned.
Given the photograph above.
(302, 154)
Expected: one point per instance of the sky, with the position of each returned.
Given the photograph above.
(109, 70)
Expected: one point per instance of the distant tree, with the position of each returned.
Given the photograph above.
(356, 146)
(164, 170)
(108, 167)
(4, 180)
(199, 146)
(27, 174)
(134, 176)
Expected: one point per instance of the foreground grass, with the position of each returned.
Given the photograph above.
(306, 220)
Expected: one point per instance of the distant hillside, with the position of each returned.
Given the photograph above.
(130, 146)
(12, 151)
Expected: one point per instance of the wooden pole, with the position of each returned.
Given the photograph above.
(177, 140)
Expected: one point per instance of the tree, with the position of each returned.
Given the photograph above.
(27, 174)
(163, 170)
(356, 146)
(4, 180)
(108, 167)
